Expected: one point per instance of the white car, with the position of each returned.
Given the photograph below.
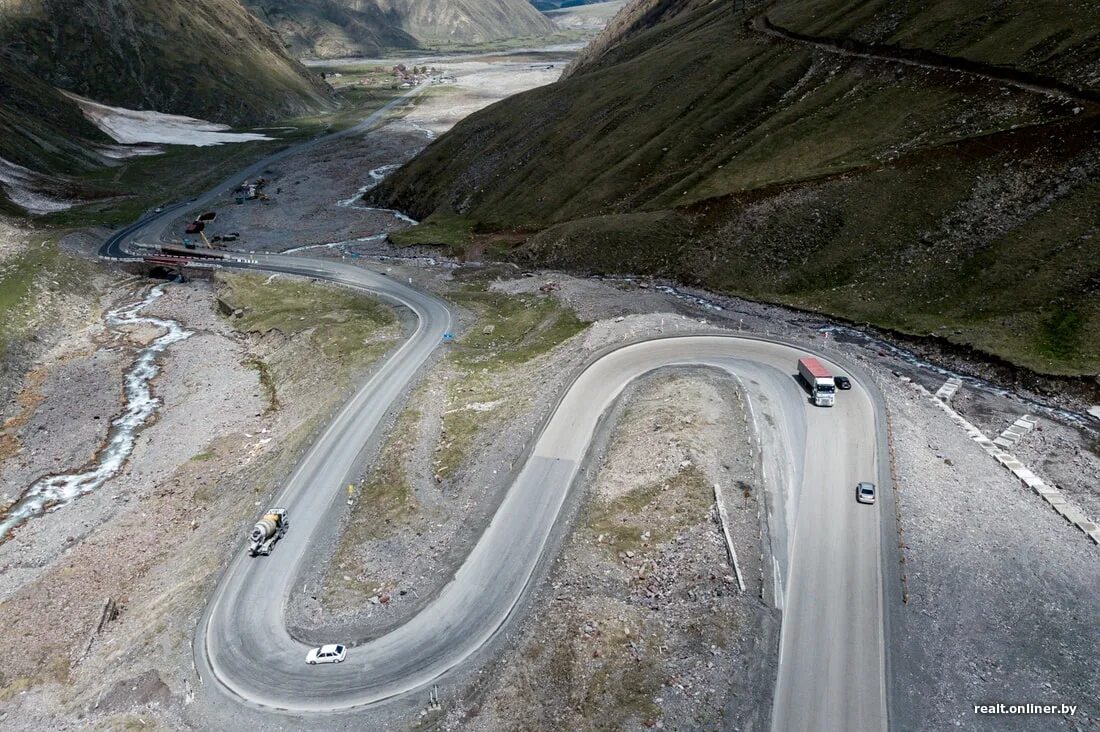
(333, 653)
(865, 492)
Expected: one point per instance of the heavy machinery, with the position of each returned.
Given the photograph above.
(267, 531)
(818, 380)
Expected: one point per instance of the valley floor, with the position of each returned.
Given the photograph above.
(638, 624)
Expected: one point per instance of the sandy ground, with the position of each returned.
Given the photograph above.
(14, 238)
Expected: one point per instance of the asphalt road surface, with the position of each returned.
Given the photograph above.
(832, 643)
(828, 572)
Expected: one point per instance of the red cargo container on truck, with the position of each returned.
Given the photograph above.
(818, 380)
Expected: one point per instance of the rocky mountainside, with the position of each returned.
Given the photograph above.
(929, 168)
(333, 28)
(461, 22)
(205, 58)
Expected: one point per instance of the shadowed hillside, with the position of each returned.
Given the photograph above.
(884, 162)
(205, 58)
(40, 128)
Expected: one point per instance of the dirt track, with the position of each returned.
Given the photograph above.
(929, 60)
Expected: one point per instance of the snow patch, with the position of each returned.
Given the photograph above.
(130, 126)
(125, 152)
(23, 188)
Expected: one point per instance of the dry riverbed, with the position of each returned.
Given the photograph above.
(103, 594)
(312, 199)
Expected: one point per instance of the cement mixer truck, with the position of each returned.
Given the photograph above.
(267, 531)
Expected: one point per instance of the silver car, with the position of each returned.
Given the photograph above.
(865, 492)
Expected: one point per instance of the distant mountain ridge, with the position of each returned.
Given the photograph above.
(334, 28)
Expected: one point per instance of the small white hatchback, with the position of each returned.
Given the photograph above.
(333, 653)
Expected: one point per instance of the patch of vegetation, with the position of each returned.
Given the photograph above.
(446, 230)
(379, 505)
(342, 325)
(55, 670)
(387, 498)
(463, 421)
(267, 382)
(129, 723)
(39, 265)
(204, 456)
(661, 508)
(1063, 333)
(509, 331)
(619, 689)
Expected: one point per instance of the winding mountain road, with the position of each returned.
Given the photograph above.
(832, 672)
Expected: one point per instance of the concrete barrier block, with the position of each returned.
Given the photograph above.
(1072, 514)
(1065, 510)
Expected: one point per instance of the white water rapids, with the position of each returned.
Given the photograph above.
(55, 491)
(377, 176)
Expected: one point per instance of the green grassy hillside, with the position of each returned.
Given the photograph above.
(40, 129)
(687, 143)
(205, 58)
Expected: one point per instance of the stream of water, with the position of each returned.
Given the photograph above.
(52, 492)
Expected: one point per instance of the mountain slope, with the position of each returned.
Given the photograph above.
(458, 22)
(205, 58)
(689, 142)
(334, 28)
(41, 129)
